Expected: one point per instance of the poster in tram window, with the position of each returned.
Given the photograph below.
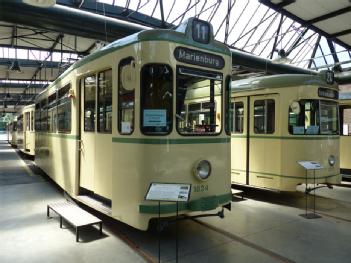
(154, 118)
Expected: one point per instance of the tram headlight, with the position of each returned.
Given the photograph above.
(331, 160)
(202, 169)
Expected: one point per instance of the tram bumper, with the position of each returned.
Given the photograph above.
(202, 204)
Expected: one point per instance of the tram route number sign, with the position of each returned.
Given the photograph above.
(310, 165)
(168, 192)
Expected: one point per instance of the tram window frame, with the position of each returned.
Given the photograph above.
(63, 100)
(37, 117)
(52, 109)
(32, 120)
(342, 121)
(43, 115)
(20, 123)
(235, 120)
(203, 129)
(92, 121)
(168, 93)
(228, 124)
(101, 101)
(314, 109)
(269, 119)
(27, 118)
(121, 111)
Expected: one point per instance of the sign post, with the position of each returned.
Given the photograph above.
(168, 192)
(311, 165)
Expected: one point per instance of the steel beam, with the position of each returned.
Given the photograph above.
(28, 63)
(67, 20)
(330, 15)
(303, 22)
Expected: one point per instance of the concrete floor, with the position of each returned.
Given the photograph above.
(265, 227)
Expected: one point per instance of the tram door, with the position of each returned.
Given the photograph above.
(264, 150)
(87, 131)
(239, 139)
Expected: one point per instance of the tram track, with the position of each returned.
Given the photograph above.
(245, 242)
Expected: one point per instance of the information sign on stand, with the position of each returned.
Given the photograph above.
(168, 192)
(311, 165)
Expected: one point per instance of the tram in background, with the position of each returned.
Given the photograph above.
(12, 132)
(278, 121)
(345, 134)
(25, 130)
(120, 119)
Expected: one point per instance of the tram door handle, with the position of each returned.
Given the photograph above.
(80, 145)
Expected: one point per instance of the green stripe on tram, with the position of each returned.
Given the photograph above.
(169, 141)
(284, 176)
(307, 137)
(202, 204)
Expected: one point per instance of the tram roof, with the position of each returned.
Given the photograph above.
(278, 81)
(174, 36)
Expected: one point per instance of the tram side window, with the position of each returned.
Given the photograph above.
(27, 116)
(43, 115)
(20, 123)
(89, 103)
(105, 101)
(237, 111)
(37, 117)
(264, 116)
(345, 117)
(32, 120)
(156, 99)
(64, 105)
(228, 107)
(126, 96)
(52, 110)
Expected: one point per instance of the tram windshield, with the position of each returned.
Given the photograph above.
(313, 117)
(199, 99)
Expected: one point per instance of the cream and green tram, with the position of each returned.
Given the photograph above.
(121, 119)
(278, 121)
(25, 130)
(345, 134)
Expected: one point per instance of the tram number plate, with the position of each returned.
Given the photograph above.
(200, 188)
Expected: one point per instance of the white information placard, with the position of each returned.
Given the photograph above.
(168, 192)
(310, 165)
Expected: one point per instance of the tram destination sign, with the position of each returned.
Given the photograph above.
(328, 93)
(199, 58)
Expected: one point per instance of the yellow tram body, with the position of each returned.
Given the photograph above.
(25, 130)
(345, 136)
(291, 118)
(110, 154)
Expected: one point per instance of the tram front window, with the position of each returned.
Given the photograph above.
(313, 117)
(199, 100)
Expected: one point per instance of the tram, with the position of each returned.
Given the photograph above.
(345, 134)
(121, 119)
(278, 121)
(12, 134)
(25, 130)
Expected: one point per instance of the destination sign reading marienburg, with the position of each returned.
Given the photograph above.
(199, 58)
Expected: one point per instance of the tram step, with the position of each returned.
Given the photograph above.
(96, 204)
(74, 215)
